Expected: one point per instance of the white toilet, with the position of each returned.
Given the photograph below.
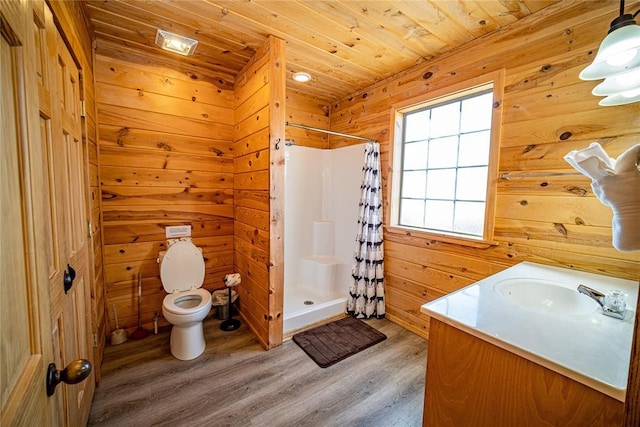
(186, 306)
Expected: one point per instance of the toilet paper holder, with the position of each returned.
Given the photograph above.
(230, 324)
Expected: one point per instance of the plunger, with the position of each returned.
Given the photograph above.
(139, 333)
(230, 324)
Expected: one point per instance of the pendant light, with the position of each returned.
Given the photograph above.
(618, 62)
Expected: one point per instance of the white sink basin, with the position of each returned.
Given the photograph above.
(545, 296)
(532, 310)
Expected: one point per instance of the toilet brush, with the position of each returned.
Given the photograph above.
(119, 335)
(139, 333)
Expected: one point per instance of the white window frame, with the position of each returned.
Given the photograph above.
(434, 97)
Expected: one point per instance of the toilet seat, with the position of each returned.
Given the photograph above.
(171, 301)
(182, 267)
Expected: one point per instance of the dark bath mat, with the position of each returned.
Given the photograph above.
(335, 341)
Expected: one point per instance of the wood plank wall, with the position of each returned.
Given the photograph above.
(547, 112)
(73, 24)
(305, 110)
(166, 158)
(256, 91)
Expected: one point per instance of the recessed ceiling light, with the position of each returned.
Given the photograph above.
(175, 43)
(302, 77)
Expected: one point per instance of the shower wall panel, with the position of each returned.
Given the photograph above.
(321, 185)
(303, 205)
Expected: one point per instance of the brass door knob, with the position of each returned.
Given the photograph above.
(75, 372)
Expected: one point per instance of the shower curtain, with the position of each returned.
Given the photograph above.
(366, 292)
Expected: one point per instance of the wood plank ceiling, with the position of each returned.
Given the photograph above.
(345, 45)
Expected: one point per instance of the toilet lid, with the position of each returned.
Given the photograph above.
(182, 267)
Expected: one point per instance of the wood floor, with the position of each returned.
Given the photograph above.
(236, 383)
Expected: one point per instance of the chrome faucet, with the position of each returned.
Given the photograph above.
(616, 309)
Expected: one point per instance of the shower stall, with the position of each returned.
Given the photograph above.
(322, 190)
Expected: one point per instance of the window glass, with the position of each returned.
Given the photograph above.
(445, 152)
(414, 183)
(412, 213)
(417, 127)
(476, 113)
(445, 120)
(415, 155)
(469, 218)
(439, 215)
(441, 184)
(474, 148)
(472, 184)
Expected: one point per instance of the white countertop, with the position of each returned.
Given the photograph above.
(590, 348)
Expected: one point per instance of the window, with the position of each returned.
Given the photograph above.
(442, 164)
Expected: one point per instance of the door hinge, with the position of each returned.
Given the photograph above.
(83, 109)
(90, 227)
(95, 340)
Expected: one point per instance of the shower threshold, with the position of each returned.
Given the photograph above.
(302, 311)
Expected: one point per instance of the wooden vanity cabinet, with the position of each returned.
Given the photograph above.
(471, 382)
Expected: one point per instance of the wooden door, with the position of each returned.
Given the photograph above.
(70, 305)
(44, 222)
(25, 333)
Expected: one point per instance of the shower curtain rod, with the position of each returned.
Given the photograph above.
(346, 135)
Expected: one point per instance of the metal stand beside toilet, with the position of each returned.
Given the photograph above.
(230, 324)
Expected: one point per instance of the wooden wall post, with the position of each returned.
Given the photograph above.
(259, 189)
(277, 75)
